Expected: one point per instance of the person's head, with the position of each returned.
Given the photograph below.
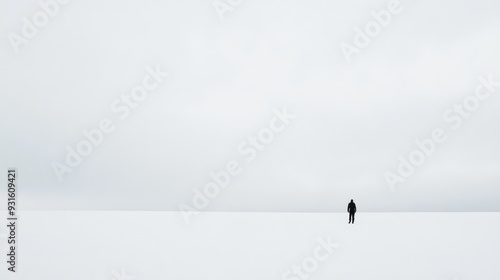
(352, 200)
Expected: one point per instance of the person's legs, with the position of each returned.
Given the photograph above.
(353, 218)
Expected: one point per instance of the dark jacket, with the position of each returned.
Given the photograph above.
(351, 207)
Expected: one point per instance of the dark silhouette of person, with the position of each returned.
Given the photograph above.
(351, 208)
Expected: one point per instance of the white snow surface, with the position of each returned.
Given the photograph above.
(91, 245)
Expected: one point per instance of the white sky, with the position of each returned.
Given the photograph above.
(226, 77)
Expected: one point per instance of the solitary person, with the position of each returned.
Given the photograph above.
(351, 208)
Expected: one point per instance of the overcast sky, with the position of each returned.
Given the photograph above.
(227, 78)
